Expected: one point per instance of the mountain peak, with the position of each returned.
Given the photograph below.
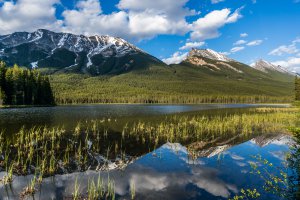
(265, 66)
(210, 54)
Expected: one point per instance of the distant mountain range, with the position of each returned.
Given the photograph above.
(102, 55)
(64, 51)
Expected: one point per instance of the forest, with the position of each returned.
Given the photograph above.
(297, 88)
(20, 86)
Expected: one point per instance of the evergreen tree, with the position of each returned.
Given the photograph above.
(24, 87)
(297, 88)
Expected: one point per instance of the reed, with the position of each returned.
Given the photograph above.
(76, 193)
(132, 190)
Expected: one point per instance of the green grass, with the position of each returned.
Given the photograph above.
(174, 84)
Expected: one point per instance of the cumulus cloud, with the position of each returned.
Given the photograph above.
(255, 43)
(133, 20)
(208, 26)
(149, 18)
(28, 15)
(237, 49)
(176, 58)
(86, 18)
(190, 45)
(240, 42)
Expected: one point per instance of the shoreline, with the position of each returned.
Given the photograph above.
(178, 104)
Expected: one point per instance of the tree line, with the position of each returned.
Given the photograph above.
(297, 88)
(20, 86)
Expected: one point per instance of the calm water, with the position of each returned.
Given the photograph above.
(169, 173)
(13, 119)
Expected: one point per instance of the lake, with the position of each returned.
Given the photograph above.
(12, 119)
(165, 152)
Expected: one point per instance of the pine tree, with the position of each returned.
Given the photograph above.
(297, 88)
(24, 87)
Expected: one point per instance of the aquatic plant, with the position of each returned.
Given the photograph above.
(132, 190)
(30, 189)
(76, 193)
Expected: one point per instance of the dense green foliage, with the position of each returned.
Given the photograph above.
(24, 87)
(297, 88)
(173, 84)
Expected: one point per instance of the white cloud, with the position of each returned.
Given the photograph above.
(28, 15)
(240, 42)
(255, 43)
(292, 64)
(225, 53)
(286, 49)
(176, 58)
(170, 8)
(87, 19)
(244, 35)
(208, 26)
(190, 45)
(216, 1)
(279, 51)
(236, 49)
(135, 19)
(149, 18)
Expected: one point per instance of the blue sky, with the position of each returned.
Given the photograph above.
(245, 30)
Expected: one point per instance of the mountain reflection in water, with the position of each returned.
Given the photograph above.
(170, 172)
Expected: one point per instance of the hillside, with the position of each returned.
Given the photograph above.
(182, 83)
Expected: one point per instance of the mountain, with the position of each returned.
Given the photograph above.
(97, 55)
(209, 53)
(266, 67)
(212, 61)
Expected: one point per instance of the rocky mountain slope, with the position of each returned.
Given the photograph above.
(209, 53)
(209, 60)
(63, 51)
(266, 67)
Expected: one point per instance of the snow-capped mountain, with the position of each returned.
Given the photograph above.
(213, 61)
(94, 54)
(210, 54)
(266, 66)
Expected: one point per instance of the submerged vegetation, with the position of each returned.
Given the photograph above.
(24, 87)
